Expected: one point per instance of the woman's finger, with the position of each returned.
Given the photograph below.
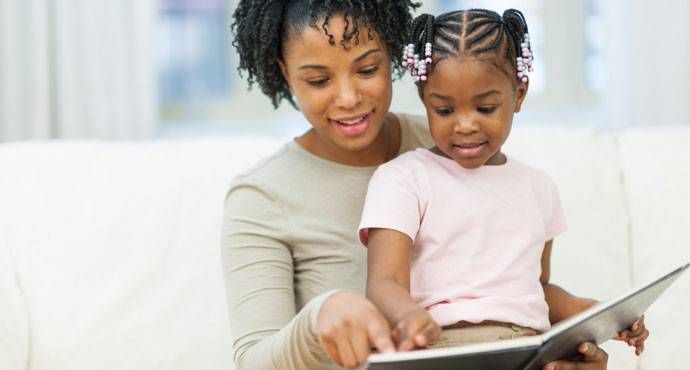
(331, 349)
(592, 353)
(345, 350)
(359, 341)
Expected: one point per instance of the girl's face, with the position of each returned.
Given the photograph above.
(344, 93)
(470, 104)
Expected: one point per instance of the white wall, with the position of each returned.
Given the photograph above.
(648, 62)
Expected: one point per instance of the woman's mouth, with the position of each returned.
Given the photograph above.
(354, 125)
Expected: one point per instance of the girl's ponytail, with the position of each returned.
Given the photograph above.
(516, 25)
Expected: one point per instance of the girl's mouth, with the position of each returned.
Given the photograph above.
(469, 149)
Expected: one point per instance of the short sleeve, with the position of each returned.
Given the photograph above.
(554, 220)
(393, 202)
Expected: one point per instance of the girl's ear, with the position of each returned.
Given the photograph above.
(520, 94)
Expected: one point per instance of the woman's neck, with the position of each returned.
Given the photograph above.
(384, 147)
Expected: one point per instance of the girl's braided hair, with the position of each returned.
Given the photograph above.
(261, 27)
(476, 32)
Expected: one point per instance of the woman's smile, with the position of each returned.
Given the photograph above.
(354, 125)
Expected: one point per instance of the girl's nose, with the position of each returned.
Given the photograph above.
(348, 95)
(466, 126)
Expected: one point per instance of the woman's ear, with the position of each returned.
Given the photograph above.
(284, 71)
(520, 94)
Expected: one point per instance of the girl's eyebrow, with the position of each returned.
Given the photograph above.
(439, 96)
(485, 94)
(359, 58)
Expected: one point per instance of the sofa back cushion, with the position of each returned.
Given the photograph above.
(115, 250)
(656, 163)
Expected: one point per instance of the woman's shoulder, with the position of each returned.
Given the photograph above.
(414, 132)
(270, 172)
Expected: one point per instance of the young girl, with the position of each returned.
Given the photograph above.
(460, 235)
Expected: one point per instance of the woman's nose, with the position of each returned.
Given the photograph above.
(348, 95)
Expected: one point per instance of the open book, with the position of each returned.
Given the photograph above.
(596, 324)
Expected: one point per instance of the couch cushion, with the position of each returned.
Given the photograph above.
(14, 340)
(656, 163)
(116, 249)
(591, 258)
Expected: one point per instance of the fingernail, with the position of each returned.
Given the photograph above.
(586, 348)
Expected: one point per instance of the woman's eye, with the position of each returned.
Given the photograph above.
(369, 71)
(317, 82)
(443, 111)
(486, 109)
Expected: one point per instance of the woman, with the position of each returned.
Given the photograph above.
(294, 270)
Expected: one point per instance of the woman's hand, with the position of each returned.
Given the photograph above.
(591, 358)
(635, 335)
(348, 326)
(416, 330)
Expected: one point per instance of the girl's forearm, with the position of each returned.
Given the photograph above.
(391, 298)
(563, 304)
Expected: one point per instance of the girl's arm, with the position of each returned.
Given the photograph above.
(561, 303)
(388, 287)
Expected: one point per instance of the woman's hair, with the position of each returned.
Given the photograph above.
(479, 33)
(261, 28)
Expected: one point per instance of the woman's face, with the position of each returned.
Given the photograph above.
(344, 92)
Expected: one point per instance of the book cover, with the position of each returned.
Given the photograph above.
(596, 324)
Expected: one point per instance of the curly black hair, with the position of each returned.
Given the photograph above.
(476, 32)
(261, 27)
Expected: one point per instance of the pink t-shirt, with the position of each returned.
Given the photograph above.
(478, 235)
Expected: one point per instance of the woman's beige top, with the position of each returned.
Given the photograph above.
(290, 239)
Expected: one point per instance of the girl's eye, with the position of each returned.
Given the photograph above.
(486, 109)
(443, 111)
(318, 83)
(369, 71)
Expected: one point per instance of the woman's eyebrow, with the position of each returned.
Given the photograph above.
(315, 66)
(366, 54)
(359, 58)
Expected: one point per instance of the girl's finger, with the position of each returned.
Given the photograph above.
(379, 334)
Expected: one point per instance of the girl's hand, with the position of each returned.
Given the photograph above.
(416, 330)
(348, 325)
(635, 335)
(591, 358)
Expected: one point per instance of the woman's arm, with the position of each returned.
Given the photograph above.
(388, 287)
(267, 332)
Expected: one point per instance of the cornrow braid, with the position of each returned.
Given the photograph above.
(476, 32)
(261, 28)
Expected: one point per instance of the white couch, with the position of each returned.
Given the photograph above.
(109, 252)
